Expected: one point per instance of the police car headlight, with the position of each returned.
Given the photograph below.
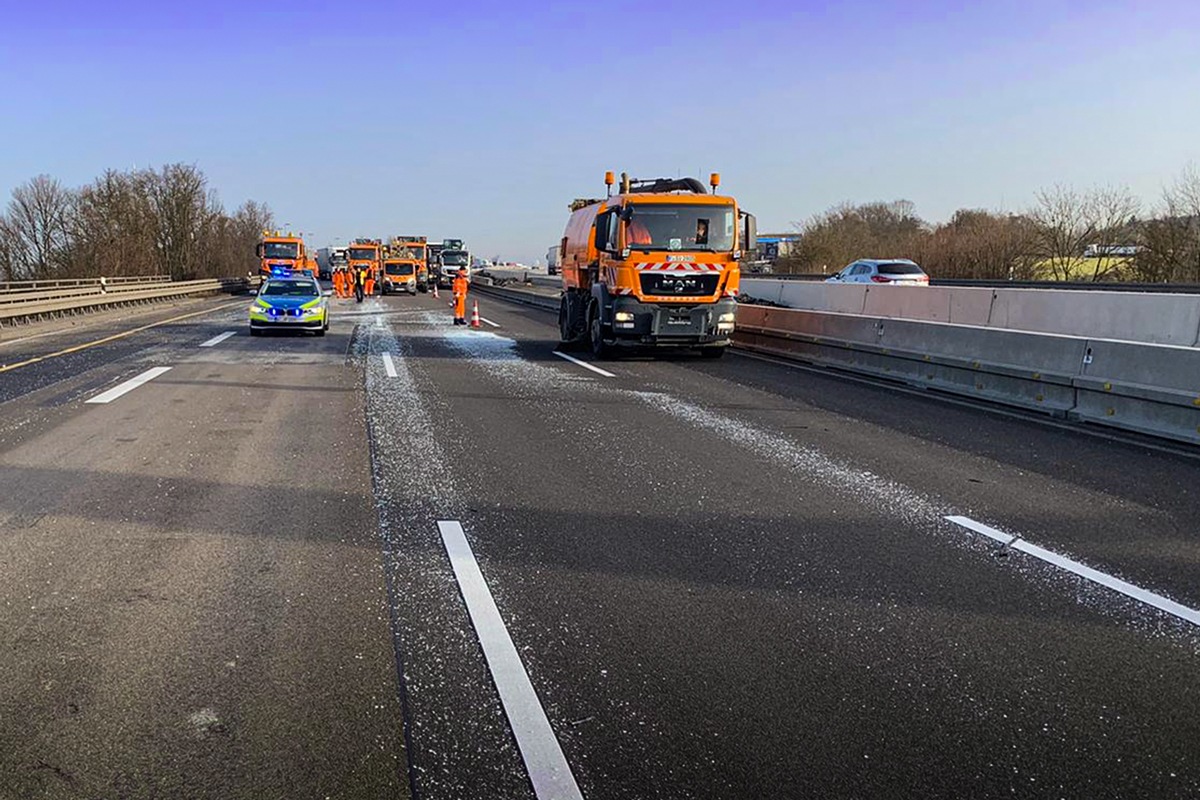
(311, 312)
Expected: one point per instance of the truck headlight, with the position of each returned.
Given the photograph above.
(728, 316)
(623, 316)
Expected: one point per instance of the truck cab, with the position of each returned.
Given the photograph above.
(279, 254)
(365, 254)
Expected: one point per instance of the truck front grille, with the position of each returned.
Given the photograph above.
(679, 284)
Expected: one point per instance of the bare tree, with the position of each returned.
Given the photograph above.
(980, 244)
(1064, 229)
(1112, 215)
(179, 201)
(845, 232)
(36, 229)
(1171, 240)
(114, 229)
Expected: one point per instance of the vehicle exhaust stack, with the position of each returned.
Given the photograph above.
(608, 181)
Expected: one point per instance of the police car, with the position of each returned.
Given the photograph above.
(290, 301)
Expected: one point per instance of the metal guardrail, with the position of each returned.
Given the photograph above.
(25, 306)
(16, 287)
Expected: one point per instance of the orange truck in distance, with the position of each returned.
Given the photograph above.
(404, 268)
(277, 253)
(366, 254)
(655, 265)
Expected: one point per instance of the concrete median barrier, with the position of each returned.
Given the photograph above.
(1152, 389)
(1136, 317)
(1147, 388)
(1149, 317)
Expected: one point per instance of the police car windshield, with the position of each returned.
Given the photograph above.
(680, 227)
(284, 288)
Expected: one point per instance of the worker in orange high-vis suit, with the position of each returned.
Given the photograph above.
(370, 283)
(337, 282)
(460, 298)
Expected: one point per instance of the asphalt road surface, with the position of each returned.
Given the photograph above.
(410, 559)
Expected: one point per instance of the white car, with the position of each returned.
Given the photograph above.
(892, 271)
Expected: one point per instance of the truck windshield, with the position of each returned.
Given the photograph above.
(680, 227)
(454, 259)
(411, 252)
(280, 249)
(362, 254)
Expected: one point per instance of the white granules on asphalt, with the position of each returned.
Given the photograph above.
(859, 484)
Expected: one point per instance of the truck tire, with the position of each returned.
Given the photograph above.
(565, 333)
(600, 349)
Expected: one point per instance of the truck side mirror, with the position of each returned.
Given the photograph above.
(258, 250)
(602, 243)
(751, 234)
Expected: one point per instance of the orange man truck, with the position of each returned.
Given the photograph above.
(366, 254)
(278, 253)
(655, 265)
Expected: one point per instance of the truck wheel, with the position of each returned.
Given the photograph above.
(712, 352)
(564, 321)
(596, 334)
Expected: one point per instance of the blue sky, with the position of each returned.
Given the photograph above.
(483, 120)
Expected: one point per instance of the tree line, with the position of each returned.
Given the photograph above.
(1100, 234)
(164, 221)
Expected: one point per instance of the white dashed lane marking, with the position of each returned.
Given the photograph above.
(216, 340)
(548, 769)
(129, 385)
(584, 364)
(1096, 576)
(389, 365)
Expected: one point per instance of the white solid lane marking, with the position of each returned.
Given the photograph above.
(584, 364)
(543, 756)
(1104, 579)
(389, 365)
(216, 340)
(129, 385)
(487, 321)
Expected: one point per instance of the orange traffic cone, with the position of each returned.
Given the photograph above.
(475, 315)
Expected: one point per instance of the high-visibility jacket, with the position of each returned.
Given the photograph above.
(460, 287)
